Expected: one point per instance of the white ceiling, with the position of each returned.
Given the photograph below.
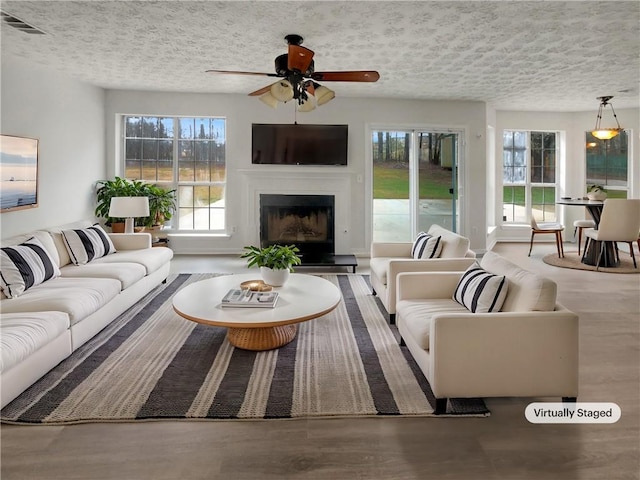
(536, 55)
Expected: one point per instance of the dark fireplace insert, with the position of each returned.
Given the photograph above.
(307, 221)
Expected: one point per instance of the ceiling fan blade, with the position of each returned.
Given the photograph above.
(299, 58)
(235, 72)
(355, 76)
(259, 92)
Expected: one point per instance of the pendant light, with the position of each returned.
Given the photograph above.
(605, 133)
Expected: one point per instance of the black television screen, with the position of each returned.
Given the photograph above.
(293, 144)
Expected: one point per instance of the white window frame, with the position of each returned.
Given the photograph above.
(176, 183)
(528, 184)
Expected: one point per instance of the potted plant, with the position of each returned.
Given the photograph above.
(596, 192)
(118, 187)
(162, 204)
(275, 262)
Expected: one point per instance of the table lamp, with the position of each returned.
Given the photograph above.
(128, 208)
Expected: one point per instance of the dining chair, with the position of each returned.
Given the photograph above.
(580, 225)
(620, 222)
(547, 227)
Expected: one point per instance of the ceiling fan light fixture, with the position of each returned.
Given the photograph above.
(296, 70)
(269, 99)
(606, 133)
(282, 90)
(308, 104)
(324, 95)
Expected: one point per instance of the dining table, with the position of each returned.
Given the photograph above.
(590, 257)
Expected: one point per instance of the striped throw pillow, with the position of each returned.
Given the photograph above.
(480, 291)
(87, 244)
(426, 246)
(24, 266)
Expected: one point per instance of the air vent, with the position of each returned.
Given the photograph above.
(18, 24)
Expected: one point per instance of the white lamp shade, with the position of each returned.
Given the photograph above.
(282, 91)
(324, 95)
(269, 99)
(308, 105)
(128, 207)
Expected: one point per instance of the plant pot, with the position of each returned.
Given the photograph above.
(117, 227)
(597, 195)
(275, 278)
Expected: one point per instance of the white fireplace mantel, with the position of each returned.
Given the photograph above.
(338, 184)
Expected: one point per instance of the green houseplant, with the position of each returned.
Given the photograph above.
(162, 202)
(275, 262)
(118, 187)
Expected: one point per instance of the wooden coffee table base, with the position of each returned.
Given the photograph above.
(259, 339)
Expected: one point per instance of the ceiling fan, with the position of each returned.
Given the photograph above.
(299, 80)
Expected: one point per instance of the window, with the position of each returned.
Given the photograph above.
(607, 164)
(529, 176)
(185, 154)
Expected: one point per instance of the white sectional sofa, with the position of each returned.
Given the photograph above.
(388, 260)
(527, 349)
(47, 322)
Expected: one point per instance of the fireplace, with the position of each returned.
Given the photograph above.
(307, 221)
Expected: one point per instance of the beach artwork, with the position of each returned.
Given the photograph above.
(18, 173)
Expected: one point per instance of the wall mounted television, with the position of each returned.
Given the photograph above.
(298, 144)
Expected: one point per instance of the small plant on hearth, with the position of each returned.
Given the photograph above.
(276, 257)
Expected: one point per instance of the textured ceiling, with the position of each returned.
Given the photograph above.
(541, 55)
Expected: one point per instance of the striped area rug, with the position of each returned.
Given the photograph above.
(151, 364)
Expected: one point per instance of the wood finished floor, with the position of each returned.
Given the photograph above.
(503, 446)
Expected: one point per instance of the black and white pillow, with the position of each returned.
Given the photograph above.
(87, 244)
(24, 266)
(426, 246)
(480, 291)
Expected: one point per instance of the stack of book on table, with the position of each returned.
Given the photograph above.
(248, 298)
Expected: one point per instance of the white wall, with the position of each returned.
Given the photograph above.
(67, 117)
(572, 126)
(246, 181)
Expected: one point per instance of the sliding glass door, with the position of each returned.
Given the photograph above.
(415, 182)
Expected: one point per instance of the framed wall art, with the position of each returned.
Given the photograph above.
(18, 173)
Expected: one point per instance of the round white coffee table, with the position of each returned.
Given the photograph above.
(302, 298)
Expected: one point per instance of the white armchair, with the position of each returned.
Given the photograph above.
(390, 259)
(528, 349)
